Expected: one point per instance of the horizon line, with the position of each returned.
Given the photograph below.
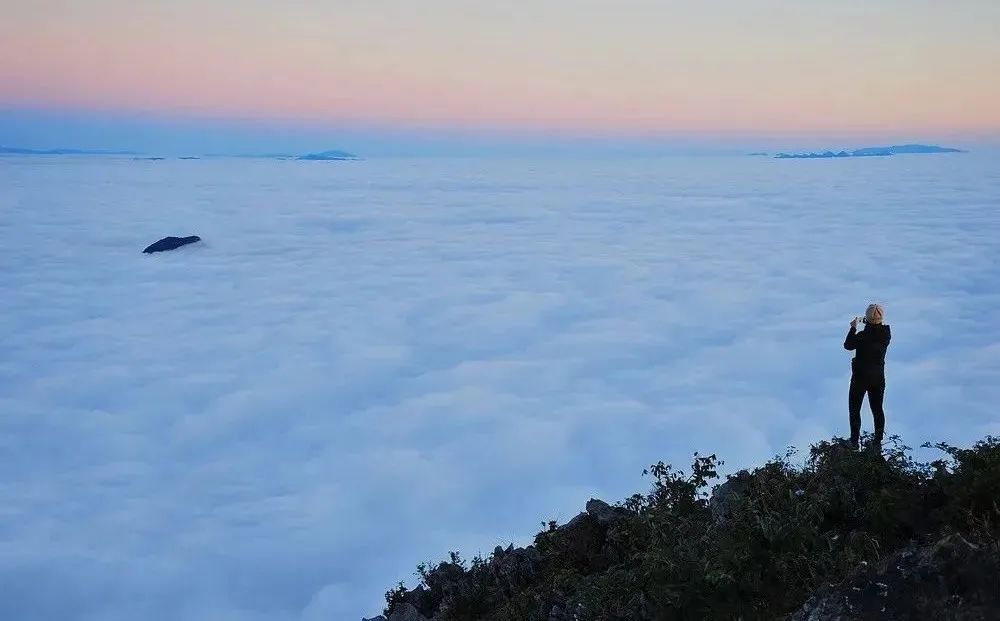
(525, 129)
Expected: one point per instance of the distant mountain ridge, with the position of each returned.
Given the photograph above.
(332, 155)
(21, 151)
(328, 156)
(872, 152)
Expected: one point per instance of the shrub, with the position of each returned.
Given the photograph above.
(756, 549)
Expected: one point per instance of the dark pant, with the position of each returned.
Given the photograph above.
(875, 387)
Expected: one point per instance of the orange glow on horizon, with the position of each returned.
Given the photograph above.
(444, 69)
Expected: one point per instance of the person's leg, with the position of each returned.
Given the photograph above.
(876, 394)
(855, 396)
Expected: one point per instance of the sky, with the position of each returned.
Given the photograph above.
(265, 74)
(365, 365)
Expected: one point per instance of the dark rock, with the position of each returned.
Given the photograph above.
(578, 520)
(406, 612)
(604, 513)
(598, 510)
(582, 542)
(420, 597)
(378, 618)
(170, 243)
(516, 567)
(950, 579)
(725, 496)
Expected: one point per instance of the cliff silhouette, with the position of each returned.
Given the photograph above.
(839, 534)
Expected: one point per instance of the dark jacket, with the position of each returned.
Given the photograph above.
(870, 345)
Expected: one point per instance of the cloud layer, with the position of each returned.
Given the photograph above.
(367, 364)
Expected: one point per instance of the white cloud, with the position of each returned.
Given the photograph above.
(362, 367)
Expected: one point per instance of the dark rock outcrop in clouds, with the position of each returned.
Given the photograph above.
(170, 243)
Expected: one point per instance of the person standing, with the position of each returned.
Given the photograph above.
(868, 371)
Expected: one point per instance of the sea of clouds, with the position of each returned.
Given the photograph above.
(367, 364)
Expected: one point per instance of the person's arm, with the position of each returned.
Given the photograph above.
(851, 342)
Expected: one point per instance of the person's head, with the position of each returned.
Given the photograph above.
(875, 314)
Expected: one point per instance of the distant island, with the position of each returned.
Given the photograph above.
(871, 152)
(255, 156)
(333, 155)
(20, 151)
(317, 157)
(328, 156)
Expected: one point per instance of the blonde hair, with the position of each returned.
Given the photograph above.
(875, 314)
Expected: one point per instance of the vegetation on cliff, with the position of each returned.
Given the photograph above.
(765, 544)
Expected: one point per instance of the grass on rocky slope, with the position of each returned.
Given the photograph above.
(756, 550)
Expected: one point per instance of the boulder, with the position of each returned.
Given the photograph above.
(515, 567)
(604, 513)
(597, 511)
(950, 579)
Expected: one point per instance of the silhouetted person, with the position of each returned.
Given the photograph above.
(868, 370)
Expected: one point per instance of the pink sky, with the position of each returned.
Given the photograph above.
(631, 66)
